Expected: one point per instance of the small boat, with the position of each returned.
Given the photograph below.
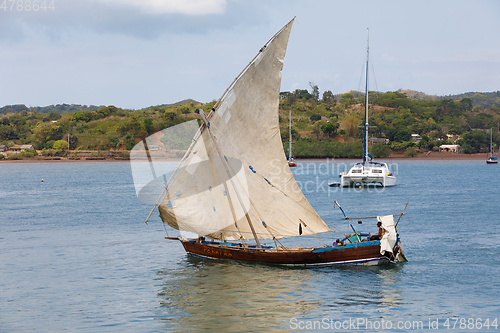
(491, 159)
(291, 160)
(334, 184)
(233, 187)
(368, 172)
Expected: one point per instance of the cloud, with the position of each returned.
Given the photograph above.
(158, 7)
(141, 19)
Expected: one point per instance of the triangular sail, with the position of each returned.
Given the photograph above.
(237, 170)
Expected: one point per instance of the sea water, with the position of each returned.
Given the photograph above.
(76, 255)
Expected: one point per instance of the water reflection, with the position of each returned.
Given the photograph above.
(389, 293)
(207, 295)
(225, 296)
(356, 289)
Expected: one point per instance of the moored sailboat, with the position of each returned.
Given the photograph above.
(491, 159)
(233, 187)
(368, 172)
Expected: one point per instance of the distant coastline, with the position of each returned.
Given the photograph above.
(434, 156)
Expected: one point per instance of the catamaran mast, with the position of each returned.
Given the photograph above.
(290, 137)
(365, 146)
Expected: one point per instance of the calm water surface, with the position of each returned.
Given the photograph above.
(75, 255)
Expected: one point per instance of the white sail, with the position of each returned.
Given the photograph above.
(236, 175)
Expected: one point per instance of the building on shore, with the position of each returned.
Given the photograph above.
(416, 138)
(20, 148)
(450, 148)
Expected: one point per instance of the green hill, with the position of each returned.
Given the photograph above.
(322, 126)
(59, 108)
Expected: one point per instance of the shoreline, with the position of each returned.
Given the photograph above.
(434, 156)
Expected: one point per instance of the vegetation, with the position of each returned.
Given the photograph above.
(106, 128)
(322, 126)
(26, 153)
(394, 116)
(60, 108)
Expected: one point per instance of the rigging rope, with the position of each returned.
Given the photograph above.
(374, 77)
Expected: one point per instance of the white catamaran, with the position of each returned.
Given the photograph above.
(368, 172)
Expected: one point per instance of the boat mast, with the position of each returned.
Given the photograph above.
(490, 151)
(290, 137)
(230, 176)
(365, 146)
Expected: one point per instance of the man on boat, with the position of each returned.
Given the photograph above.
(380, 232)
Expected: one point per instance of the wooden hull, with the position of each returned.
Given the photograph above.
(367, 253)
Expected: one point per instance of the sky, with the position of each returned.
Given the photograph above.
(138, 53)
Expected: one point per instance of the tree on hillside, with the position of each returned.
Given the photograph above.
(466, 104)
(302, 94)
(380, 150)
(398, 135)
(47, 132)
(314, 91)
(473, 141)
(316, 129)
(60, 145)
(426, 142)
(390, 99)
(84, 116)
(315, 117)
(8, 133)
(130, 126)
(51, 116)
(347, 100)
(481, 120)
(329, 128)
(351, 124)
(329, 98)
(148, 125)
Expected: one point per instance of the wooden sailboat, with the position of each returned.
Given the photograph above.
(491, 159)
(233, 187)
(291, 160)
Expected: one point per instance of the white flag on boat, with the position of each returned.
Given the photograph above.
(390, 236)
